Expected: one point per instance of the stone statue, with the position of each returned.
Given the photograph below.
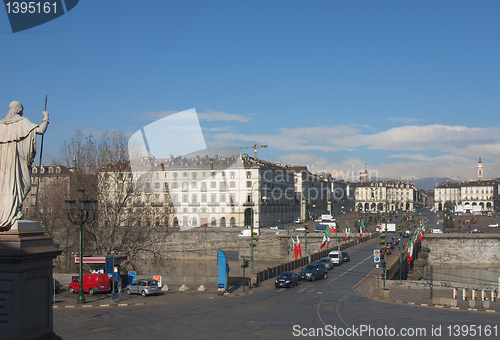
(17, 151)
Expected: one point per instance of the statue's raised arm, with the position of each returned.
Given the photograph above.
(17, 151)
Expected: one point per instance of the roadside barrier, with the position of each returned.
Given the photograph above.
(271, 272)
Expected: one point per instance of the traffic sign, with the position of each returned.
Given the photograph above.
(376, 255)
(376, 259)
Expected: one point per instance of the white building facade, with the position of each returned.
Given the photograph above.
(380, 196)
(218, 191)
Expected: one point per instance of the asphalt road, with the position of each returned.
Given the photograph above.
(311, 308)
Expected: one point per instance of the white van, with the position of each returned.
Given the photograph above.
(336, 257)
(326, 217)
(248, 232)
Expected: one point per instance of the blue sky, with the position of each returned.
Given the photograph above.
(409, 87)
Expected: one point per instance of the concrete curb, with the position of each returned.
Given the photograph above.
(439, 306)
(102, 306)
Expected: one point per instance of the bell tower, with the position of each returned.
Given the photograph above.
(480, 170)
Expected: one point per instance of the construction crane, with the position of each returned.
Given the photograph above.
(254, 147)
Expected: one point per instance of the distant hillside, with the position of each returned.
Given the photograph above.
(429, 183)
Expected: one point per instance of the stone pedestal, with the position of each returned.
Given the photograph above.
(26, 255)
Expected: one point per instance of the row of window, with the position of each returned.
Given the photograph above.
(52, 170)
(203, 198)
(193, 222)
(194, 174)
(194, 185)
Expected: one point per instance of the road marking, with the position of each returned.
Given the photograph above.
(338, 277)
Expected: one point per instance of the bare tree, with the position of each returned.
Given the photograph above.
(127, 222)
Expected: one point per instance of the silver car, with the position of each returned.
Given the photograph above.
(143, 287)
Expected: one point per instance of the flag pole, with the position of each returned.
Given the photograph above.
(39, 166)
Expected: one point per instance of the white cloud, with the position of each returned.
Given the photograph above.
(209, 115)
(441, 137)
(218, 129)
(450, 139)
(212, 115)
(411, 156)
(404, 120)
(420, 166)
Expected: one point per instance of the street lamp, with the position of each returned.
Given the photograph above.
(80, 214)
(253, 241)
(393, 195)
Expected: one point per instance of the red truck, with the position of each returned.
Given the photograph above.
(92, 283)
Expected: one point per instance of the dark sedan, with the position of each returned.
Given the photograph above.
(346, 257)
(287, 279)
(56, 286)
(314, 271)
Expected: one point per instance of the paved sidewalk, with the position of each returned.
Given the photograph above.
(442, 297)
(64, 299)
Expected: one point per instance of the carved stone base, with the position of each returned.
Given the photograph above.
(26, 255)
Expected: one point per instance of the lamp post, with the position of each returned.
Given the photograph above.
(253, 241)
(392, 194)
(79, 215)
(306, 232)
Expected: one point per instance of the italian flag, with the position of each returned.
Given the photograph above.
(347, 231)
(410, 252)
(326, 238)
(411, 245)
(295, 246)
(299, 247)
(361, 227)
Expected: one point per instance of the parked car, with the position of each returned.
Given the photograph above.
(313, 272)
(92, 283)
(476, 231)
(298, 220)
(495, 225)
(287, 279)
(55, 285)
(327, 262)
(273, 227)
(346, 257)
(143, 287)
(300, 229)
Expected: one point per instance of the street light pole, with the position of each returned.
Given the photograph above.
(385, 235)
(85, 213)
(253, 241)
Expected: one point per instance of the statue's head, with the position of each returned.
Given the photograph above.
(16, 108)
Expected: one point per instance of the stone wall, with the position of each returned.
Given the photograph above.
(463, 248)
(192, 254)
(463, 260)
